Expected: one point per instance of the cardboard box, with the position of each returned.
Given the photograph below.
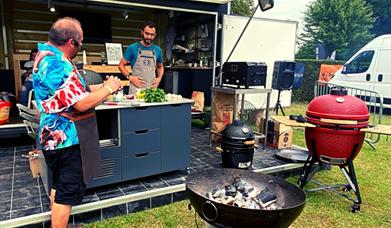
(283, 139)
(278, 135)
(34, 163)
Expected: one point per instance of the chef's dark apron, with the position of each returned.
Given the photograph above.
(87, 132)
(144, 67)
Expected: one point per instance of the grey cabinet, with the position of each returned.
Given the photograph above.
(155, 139)
(175, 137)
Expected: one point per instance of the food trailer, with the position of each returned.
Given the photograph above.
(196, 38)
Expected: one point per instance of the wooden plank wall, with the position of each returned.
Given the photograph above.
(31, 21)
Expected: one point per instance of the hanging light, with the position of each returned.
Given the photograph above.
(51, 6)
(125, 14)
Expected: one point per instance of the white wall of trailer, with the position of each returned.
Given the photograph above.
(265, 40)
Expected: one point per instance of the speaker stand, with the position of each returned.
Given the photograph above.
(278, 104)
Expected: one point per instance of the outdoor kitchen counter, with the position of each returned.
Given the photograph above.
(143, 140)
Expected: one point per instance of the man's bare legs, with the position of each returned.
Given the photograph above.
(51, 197)
(60, 212)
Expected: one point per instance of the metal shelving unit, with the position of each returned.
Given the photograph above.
(242, 92)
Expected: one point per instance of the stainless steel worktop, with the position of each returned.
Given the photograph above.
(129, 104)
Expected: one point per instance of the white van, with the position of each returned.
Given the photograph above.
(369, 68)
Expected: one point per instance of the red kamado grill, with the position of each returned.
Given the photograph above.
(336, 139)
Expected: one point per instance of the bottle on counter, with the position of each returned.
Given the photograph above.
(205, 62)
(84, 55)
(201, 60)
(103, 57)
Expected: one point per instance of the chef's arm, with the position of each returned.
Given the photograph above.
(112, 84)
(159, 75)
(159, 70)
(122, 68)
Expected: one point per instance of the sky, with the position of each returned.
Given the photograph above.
(287, 10)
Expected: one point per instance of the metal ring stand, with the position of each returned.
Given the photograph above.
(349, 174)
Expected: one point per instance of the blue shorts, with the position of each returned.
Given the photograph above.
(67, 174)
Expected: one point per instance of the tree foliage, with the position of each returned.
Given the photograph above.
(382, 14)
(242, 7)
(340, 25)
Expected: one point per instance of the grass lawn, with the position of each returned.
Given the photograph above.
(323, 208)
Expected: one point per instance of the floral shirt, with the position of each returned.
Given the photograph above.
(57, 87)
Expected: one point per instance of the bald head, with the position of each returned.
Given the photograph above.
(64, 29)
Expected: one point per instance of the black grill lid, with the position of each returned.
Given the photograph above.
(339, 91)
(238, 131)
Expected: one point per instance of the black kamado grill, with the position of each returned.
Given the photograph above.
(237, 146)
(290, 199)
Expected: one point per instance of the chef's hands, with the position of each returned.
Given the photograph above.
(113, 82)
(137, 81)
(156, 82)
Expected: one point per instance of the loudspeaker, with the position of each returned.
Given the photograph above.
(299, 73)
(283, 75)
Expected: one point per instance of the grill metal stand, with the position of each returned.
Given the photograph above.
(349, 173)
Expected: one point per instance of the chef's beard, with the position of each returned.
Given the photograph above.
(147, 41)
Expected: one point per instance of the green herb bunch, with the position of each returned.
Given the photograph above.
(154, 95)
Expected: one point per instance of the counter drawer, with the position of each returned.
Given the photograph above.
(140, 118)
(141, 165)
(141, 141)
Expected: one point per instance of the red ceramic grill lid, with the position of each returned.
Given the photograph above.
(338, 106)
(334, 140)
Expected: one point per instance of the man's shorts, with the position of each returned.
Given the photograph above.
(67, 174)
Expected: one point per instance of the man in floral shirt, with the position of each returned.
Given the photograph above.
(60, 91)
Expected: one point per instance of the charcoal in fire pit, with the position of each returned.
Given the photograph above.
(218, 192)
(240, 201)
(266, 197)
(209, 195)
(238, 184)
(228, 200)
(251, 204)
(242, 186)
(248, 190)
(230, 190)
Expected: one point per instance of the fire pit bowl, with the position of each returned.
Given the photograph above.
(290, 199)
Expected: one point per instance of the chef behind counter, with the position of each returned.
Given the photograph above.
(145, 60)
